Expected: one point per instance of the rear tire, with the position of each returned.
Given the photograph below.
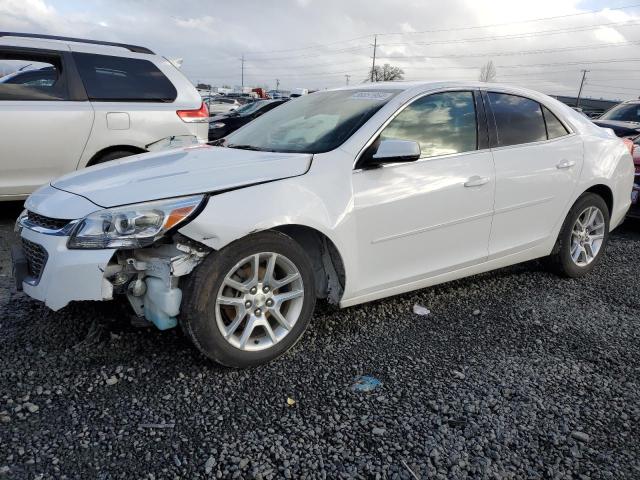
(250, 302)
(583, 237)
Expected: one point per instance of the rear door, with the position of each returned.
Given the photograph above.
(538, 162)
(44, 122)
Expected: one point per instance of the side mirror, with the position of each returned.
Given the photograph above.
(396, 151)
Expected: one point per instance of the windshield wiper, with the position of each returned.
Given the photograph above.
(245, 147)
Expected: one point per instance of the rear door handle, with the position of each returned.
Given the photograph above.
(476, 181)
(566, 164)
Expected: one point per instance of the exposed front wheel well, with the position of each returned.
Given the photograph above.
(107, 152)
(604, 192)
(328, 265)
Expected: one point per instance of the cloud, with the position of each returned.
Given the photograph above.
(315, 44)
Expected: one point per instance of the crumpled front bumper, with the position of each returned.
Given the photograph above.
(66, 275)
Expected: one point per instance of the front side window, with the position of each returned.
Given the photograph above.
(442, 123)
(31, 77)
(518, 119)
(313, 123)
(111, 79)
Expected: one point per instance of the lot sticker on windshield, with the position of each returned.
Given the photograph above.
(371, 95)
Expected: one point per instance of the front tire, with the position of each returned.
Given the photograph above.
(583, 237)
(251, 301)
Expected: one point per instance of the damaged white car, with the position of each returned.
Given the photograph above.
(351, 195)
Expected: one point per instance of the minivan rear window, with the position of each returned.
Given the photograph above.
(112, 79)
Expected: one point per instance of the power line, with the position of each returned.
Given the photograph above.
(522, 52)
(517, 22)
(540, 19)
(516, 35)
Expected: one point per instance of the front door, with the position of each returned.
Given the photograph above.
(431, 216)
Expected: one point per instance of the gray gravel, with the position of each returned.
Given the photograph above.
(513, 374)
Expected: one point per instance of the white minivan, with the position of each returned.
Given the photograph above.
(68, 103)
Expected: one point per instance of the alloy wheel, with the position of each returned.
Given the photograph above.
(259, 301)
(587, 236)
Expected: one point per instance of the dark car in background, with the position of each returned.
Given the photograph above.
(623, 119)
(222, 125)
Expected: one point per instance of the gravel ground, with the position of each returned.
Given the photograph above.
(514, 374)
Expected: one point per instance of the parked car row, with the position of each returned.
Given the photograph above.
(222, 125)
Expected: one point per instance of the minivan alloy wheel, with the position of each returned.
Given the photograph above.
(259, 301)
(587, 236)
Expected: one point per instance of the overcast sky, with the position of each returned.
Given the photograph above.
(315, 43)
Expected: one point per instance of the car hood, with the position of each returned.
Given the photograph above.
(175, 173)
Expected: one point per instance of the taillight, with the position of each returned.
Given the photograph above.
(201, 115)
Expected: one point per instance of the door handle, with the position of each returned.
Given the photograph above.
(476, 181)
(566, 164)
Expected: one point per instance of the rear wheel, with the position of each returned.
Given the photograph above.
(583, 238)
(251, 301)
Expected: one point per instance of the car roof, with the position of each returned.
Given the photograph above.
(53, 42)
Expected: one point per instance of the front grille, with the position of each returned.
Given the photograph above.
(36, 257)
(46, 222)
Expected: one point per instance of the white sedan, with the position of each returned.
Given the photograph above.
(352, 195)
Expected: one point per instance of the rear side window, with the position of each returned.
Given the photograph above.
(31, 77)
(442, 123)
(116, 79)
(555, 128)
(518, 119)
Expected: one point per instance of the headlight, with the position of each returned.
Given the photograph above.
(132, 226)
(217, 125)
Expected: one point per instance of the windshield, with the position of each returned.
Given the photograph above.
(313, 123)
(628, 112)
(249, 108)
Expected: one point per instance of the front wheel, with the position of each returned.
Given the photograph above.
(583, 237)
(251, 301)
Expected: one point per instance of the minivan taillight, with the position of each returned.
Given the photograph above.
(201, 115)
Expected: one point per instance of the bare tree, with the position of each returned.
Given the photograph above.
(488, 72)
(386, 73)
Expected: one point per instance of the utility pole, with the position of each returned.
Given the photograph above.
(375, 46)
(584, 76)
(242, 62)
(347, 77)
(277, 84)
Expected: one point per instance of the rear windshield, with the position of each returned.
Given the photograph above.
(113, 79)
(313, 123)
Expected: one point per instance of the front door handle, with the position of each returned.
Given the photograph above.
(566, 164)
(476, 181)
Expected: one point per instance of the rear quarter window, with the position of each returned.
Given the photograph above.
(108, 78)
